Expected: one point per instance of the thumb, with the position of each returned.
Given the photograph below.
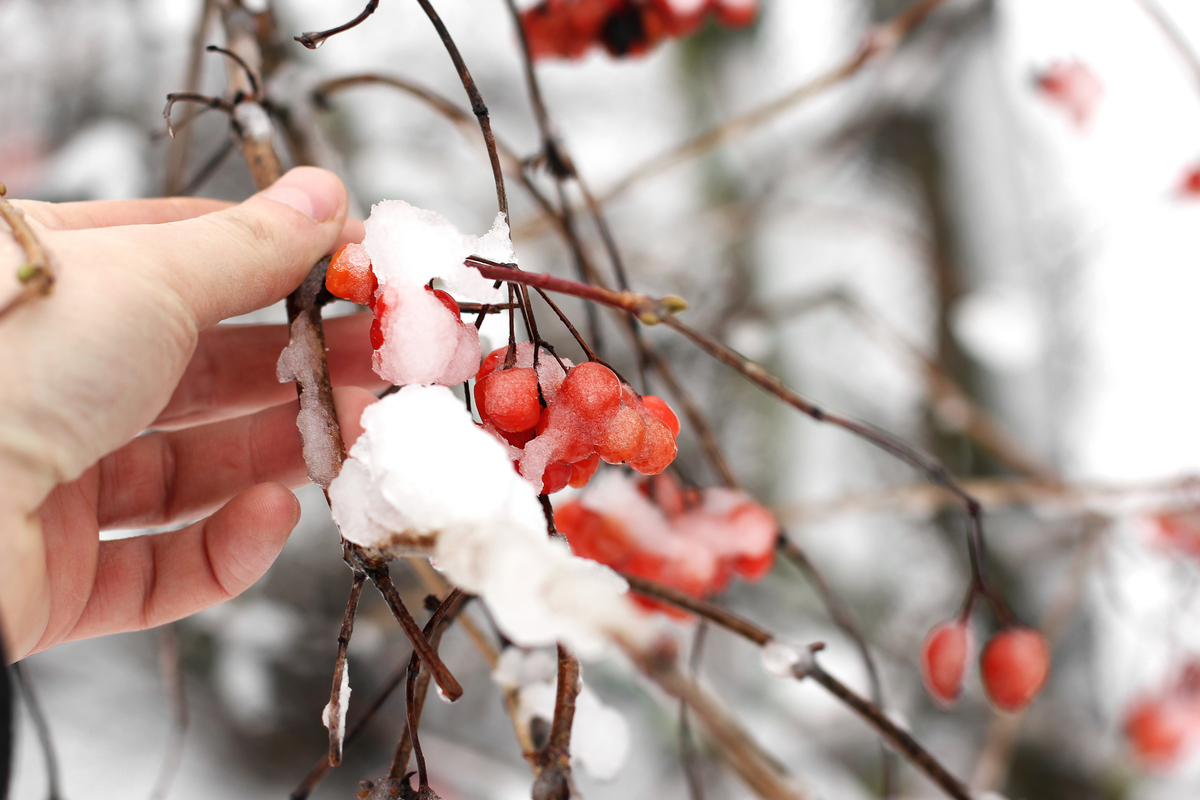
(250, 255)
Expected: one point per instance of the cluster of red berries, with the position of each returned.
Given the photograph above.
(1014, 664)
(562, 424)
(1074, 88)
(569, 28)
(1177, 531)
(691, 540)
(1163, 727)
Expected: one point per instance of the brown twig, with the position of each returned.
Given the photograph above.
(336, 713)
(1174, 36)
(381, 577)
(477, 105)
(930, 467)
(177, 157)
(36, 275)
(553, 761)
(734, 744)
(648, 309)
(417, 688)
(314, 39)
(901, 740)
(215, 103)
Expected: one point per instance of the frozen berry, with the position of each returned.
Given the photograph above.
(556, 477)
(591, 389)
(508, 398)
(622, 436)
(1014, 665)
(349, 275)
(944, 660)
(582, 471)
(659, 408)
(658, 449)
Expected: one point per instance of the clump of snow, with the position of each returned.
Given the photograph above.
(343, 703)
(424, 342)
(599, 733)
(423, 479)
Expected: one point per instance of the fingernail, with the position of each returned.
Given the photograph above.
(313, 192)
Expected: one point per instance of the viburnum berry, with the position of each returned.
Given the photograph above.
(658, 448)
(591, 389)
(622, 437)
(944, 656)
(582, 471)
(350, 276)
(1159, 730)
(1014, 665)
(508, 398)
(659, 408)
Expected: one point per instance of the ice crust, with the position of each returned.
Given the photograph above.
(599, 734)
(423, 479)
(343, 700)
(314, 420)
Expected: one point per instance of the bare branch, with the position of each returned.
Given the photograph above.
(36, 275)
(901, 740)
(171, 666)
(177, 158)
(314, 39)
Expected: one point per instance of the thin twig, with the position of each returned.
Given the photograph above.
(314, 39)
(930, 467)
(41, 729)
(251, 76)
(650, 310)
(901, 740)
(36, 275)
(477, 105)
(1175, 36)
(177, 157)
(446, 612)
(382, 579)
(688, 755)
(553, 761)
(171, 666)
(336, 713)
(209, 168)
(215, 103)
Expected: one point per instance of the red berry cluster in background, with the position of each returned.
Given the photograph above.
(692, 540)
(560, 424)
(569, 28)
(350, 277)
(1162, 728)
(1014, 664)
(1075, 88)
(1177, 532)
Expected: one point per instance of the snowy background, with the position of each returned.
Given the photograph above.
(1049, 268)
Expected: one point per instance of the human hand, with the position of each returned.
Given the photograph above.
(127, 342)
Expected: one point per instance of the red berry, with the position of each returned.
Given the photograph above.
(556, 477)
(591, 389)
(445, 299)
(490, 363)
(658, 449)
(944, 660)
(381, 308)
(1158, 731)
(508, 398)
(1014, 665)
(622, 437)
(659, 408)
(562, 424)
(582, 471)
(349, 275)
